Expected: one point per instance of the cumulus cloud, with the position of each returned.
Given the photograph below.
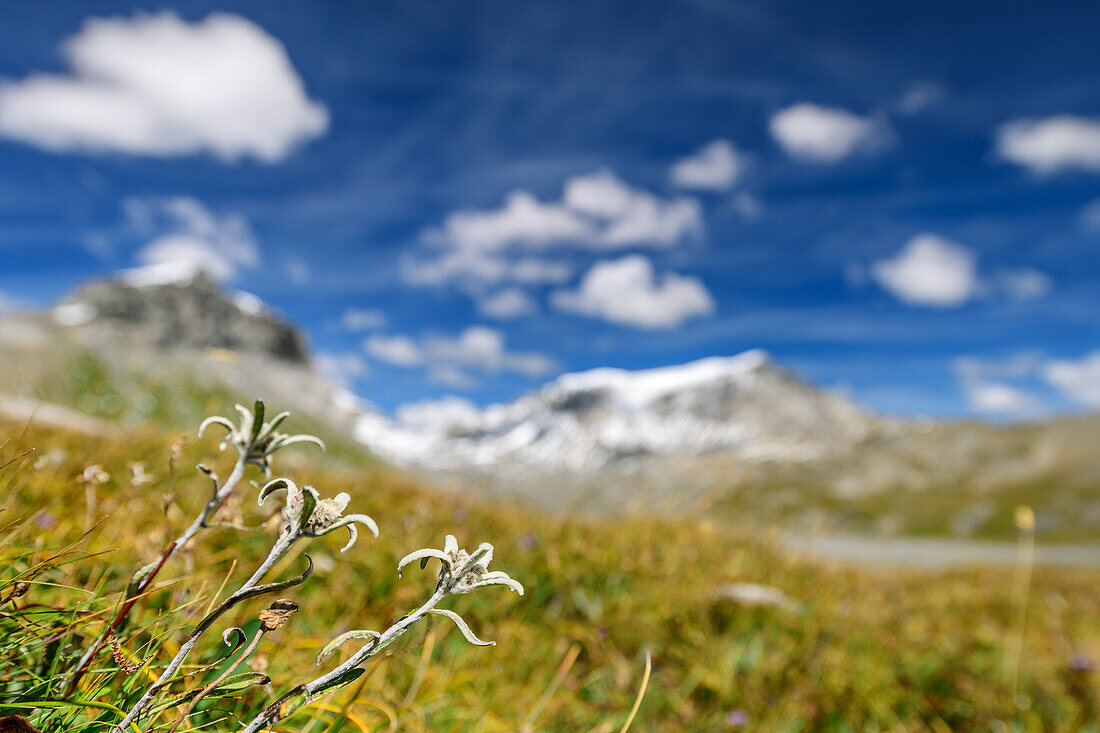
(158, 85)
(929, 270)
(1023, 284)
(715, 167)
(1078, 380)
(451, 376)
(342, 369)
(399, 350)
(364, 319)
(522, 219)
(184, 231)
(933, 271)
(483, 348)
(1052, 144)
(477, 347)
(507, 304)
(625, 216)
(521, 241)
(998, 398)
(988, 388)
(824, 134)
(629, 291)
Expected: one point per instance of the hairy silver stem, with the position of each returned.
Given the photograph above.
(288, 537)
(215, 502)
(312, 688)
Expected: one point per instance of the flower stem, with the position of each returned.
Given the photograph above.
(277, 551)
(318, 685)
(150, 571)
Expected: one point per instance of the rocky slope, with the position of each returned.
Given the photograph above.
(176, 306)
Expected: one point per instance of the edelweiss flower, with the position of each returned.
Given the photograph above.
(462, 572)
(254, 438)
(312, 516)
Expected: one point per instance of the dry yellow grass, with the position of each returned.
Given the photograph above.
(857, 650)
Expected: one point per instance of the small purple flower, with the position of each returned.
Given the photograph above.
(1082, 663)
(45, 520)
(737, 718)
(528, 541)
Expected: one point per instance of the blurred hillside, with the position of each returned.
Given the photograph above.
(744, 635)
(739, 438)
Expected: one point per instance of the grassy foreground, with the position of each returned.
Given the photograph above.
(851, 650)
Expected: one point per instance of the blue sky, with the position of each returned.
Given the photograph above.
(899, 202)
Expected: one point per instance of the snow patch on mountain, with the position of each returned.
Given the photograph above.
(606, 418)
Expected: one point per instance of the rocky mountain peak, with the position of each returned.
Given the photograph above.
(603, 418)
(179, 306)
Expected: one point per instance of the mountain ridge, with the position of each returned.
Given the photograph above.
(738, 438)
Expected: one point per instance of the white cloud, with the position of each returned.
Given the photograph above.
(483, 348)
(399, 350)
(477, 347)
(628, 291)
(630, 217)
(517, 242)
(988, 386)
(1090, 216)
(364, 319)
(1017, 366)
(298, 271)
(929, 270)
(341, 368)
(998, 398)
(1024, 283)
(919, 97)
(715, 167)
(933, 271)
(184, 231)
(478, 269)
(522, 219)
(824, 134)
(748, 206)
(1078, 380)
(444, 414)
(451, 376)
(158, 85)
(507, 304)
(1051, 144)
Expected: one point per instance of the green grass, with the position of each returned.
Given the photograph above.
(858, 650)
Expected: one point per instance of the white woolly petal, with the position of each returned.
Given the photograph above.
(420, 555)
(362, 519)
(462, 626)
(500, 578)
(215, 420)
(246, 420)
(351, 540)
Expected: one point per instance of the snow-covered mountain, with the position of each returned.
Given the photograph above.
(736, 437)
(606, 419)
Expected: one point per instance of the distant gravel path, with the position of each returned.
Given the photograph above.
(48, 414)
(934, 553)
